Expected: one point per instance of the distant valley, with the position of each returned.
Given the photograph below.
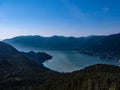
(99, 46)
(24, 71)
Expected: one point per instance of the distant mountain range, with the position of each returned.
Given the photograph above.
(100, 46)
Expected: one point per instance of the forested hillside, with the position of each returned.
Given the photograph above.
(18, 68)
(100, 46)
(96, 77)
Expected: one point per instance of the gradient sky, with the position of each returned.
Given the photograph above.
(59, 17)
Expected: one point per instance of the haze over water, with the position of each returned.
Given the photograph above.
(68, 61)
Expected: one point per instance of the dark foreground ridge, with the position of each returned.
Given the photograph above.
(16, 68)
(96, 77)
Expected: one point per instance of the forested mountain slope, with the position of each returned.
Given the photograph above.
(100, 46)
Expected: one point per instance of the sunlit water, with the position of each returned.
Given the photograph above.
(68, 61)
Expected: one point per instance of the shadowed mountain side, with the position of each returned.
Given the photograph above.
(108, 47)
(39, 57)
(100, 46)
(17, 67)
(96, 77)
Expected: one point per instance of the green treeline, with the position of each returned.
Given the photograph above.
(97, 77)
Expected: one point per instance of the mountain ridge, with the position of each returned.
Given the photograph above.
(16, 66)
(99, 46)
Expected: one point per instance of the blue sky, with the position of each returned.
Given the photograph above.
(59, 17)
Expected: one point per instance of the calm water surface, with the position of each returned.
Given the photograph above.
(68, 61)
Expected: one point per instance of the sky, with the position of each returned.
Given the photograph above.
(59, 17)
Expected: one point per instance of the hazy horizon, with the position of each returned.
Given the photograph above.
(56, 35)
(59, 17)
